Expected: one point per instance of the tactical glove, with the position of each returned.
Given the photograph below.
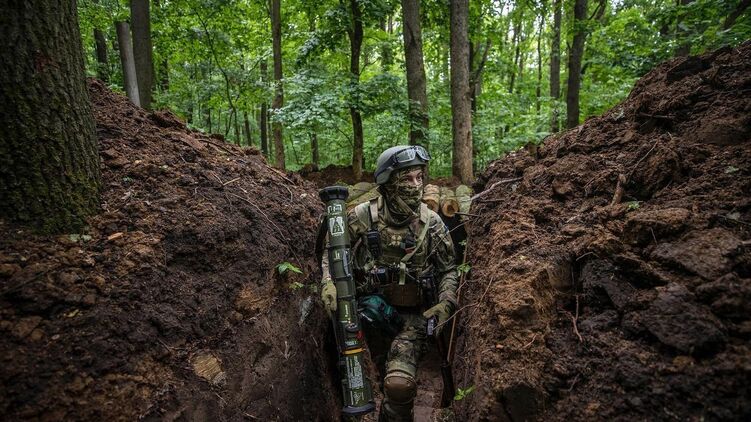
(328, 295)
(442, 310)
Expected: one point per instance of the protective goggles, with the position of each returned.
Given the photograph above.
(408, 154)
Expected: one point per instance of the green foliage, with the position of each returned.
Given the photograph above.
(208, 56)
(633, 205)
(462, 393)
(296, 285)
(286, 266)
(463, 268)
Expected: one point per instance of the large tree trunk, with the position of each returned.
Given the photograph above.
(355, 43)
(461, 114)
(142, 49)
(49, 163)
(555, 66)
(276, 36)
(575, 64)
(416, 83)
(125, 46)
(263, 114)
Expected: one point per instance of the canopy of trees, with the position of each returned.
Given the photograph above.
(213, 64)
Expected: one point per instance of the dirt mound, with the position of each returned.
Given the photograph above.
(611, 277)
(333, 175)
(169, 307)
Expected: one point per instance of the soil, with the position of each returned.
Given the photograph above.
(169, 306)
(333, 175)
(594, 299)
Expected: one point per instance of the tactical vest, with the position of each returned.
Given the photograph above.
(393, 266)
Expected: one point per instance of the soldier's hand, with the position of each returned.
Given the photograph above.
(442, 310)
(328, 295)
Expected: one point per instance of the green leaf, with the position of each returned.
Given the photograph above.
(284, 266)
(464, 268)
(731, 170)
(633, 205)
(461, 393)
(296, 285)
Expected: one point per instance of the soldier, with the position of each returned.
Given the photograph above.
(400, 249)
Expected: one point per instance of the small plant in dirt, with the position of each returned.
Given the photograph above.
(463, 268)
(296, 285)
(633, 205)
(286, 266)
(461, 393)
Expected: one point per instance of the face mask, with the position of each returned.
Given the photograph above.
(407, 193)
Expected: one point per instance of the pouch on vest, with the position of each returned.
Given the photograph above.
(407, 294)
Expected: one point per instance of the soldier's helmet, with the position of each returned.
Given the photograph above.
(397, 158)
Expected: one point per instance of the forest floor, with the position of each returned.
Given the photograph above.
(589, 298)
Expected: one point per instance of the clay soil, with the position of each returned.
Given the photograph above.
(594, 299)
(169, 306)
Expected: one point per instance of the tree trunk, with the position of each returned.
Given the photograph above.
(103, 68)
(735, 14)
(416, 81)
(276, 38)
(129, 65)
(387, 55)
(575, 64)
(142, 50)
(517, 40)
(555, 67)
(461, 115)
(238, 139)
(208, 118)
(538, 91)
(355, 43)
(681, 35)
(248, 133)
(314, 150)
(263, 114)
(49, 163)
(164, 77)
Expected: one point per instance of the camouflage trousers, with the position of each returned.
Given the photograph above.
(404, 353)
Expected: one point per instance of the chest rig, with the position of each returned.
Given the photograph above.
(397, 254)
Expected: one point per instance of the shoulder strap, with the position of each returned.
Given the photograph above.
(407, 257)
(373, 214)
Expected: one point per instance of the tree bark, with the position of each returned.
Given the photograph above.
(538, 90)
(416, 81)
(684, 45)
(164, 77)
(555, 67)
(49, 163)
(263, 114)
(314, 150)
(248, 133)
(355, 43)
(129, 65)
(103, 67)
(575, 64)
(461, 114)
(142, 49)
(735, 14)
(517, 40)
(276, 36)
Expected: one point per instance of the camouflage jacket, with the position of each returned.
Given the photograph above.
(435, 253)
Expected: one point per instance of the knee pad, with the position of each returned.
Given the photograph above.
(400, 388)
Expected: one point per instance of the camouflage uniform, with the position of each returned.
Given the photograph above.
(435, 252)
